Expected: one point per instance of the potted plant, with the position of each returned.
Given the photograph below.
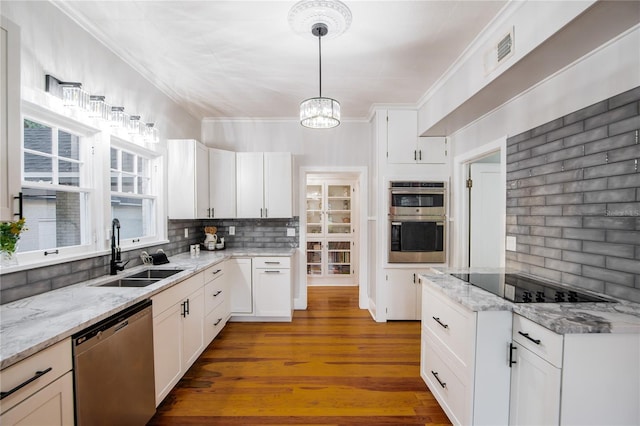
(9, 236)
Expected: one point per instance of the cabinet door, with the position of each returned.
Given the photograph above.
(202, 181)
(535, 389)
(51, 405)
(432, 150)
(238, 274)
(272, 289)
(402, 135)
(338, 210)
(250, 184)
(222, 183)
(10, 125)
(403, 295)
(277, 185)
(193, 328)
(167, 350)
(315, 209)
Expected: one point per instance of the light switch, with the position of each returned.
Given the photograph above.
(291, 232)
(186, 232)
(511, 243)
(232, 230)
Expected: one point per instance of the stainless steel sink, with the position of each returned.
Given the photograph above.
(156, 273)
(129, 282)
(142, 279)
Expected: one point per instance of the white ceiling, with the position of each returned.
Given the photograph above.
(241, 58)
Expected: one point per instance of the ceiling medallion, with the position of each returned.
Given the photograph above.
(332, 13)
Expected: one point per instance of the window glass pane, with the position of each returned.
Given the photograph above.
(128, 184)
(114, 158)
(37, 137)
(135, 216)
(53, 218)
(143, 166)
(144, 185)
(114, 181)
(69, 173)
(127, 162)
(68, 145)
(37, 168)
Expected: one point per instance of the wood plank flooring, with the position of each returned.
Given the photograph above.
(333, 365)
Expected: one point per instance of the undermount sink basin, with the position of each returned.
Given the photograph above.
(128, 282)
(156, 273)
(142, 279)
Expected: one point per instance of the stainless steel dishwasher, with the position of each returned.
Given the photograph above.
(113, 369)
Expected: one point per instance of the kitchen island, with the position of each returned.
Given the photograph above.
(491, 361)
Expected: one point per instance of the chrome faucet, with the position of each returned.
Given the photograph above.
(116, 261)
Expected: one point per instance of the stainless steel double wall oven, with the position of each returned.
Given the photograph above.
(417, 222)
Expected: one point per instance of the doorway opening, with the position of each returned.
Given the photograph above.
(479, 206)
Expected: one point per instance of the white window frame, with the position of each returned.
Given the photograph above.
(88, 135)
(155, 189)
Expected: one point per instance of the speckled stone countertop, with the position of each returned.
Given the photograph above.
(562, 318)
(34, 323)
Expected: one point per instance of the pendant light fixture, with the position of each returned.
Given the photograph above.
(324, 17)
(320, 113)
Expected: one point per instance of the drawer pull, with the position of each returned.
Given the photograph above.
(217, 322)
(215, 272)
(536, 341)
(38, 374)
(443, 384)
(272, 263)
(217, 293)
(272, 272)
(440, 322)
(511, 349)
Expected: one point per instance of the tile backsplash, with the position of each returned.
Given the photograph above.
(254, 233)
(573, 198)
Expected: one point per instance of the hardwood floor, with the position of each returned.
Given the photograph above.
(333, 365)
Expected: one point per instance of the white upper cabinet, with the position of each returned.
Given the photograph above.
(222, 183)
(405, 147)
(263, 185)
(188, 179)
(10, 125)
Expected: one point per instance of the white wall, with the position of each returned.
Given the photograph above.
(53, 44)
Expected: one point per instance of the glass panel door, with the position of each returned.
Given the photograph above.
(314, 258)
(315, 207)
(339, 258)
(339, 209)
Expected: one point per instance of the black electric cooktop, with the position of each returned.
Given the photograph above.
(521, 289)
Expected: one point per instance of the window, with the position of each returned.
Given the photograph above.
(133, 201)
(55, 188)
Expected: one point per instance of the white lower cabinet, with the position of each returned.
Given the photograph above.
(178, 332)
(272, 287)
(261, 289)
(39, 389)
(238, 272)
(463, 359)
(404, 294)
(573, 379)
(216, 301)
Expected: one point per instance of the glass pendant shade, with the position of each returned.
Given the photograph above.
(320, 113)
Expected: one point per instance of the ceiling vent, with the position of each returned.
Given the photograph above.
(499, 52)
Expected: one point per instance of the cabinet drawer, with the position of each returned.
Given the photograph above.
(214, 322)
(272, 262)
(539, 340)
(214, 272)
(451, 323)
(46, 365)
(172, 295)
(451, 391)
(215, 293)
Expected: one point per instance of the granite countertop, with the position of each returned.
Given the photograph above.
(32, 324)
(562, 318)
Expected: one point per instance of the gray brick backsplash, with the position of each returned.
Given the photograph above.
(265, 233)
(624, 98)
(608, 249)
(588, 136)
(573, 198)
(583, 258)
